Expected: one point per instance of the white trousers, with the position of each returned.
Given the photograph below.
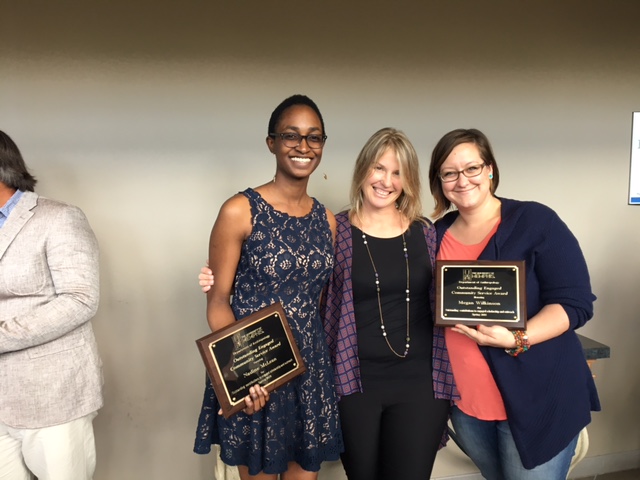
(61, 452)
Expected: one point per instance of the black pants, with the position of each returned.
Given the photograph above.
(392, 430)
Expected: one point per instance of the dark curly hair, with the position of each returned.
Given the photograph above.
(290, 102)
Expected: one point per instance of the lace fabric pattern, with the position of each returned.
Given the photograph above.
(286, 259)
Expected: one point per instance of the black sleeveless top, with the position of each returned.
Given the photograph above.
(377, 361)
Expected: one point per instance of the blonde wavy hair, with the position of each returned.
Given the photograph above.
(409, 202)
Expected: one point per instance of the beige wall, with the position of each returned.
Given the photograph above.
(149, 114)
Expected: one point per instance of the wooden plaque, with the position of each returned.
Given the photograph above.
(481, 292)
(258, 349)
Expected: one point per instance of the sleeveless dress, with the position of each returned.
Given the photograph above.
(286, 259)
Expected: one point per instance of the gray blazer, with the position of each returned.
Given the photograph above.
(50, 371)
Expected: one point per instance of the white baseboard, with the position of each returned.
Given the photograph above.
(590, 466)
(614, 462)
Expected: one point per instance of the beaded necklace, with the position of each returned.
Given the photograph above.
(377, 279)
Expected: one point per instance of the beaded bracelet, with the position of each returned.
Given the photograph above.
(522, 343)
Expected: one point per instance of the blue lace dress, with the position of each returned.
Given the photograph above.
(286, 259)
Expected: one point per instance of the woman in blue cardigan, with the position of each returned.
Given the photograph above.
(525, 396)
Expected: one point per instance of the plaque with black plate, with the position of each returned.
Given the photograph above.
(258, 349)
(481, 292)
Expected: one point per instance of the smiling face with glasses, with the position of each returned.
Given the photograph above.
(465, 178)
(296, 140)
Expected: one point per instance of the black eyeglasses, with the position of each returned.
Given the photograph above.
(452, 175)
(292, 139)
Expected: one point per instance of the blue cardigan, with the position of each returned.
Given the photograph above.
(548, 391)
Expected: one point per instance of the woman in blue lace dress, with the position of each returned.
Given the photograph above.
(273, 244)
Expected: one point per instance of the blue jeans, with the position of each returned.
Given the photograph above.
(491, 447)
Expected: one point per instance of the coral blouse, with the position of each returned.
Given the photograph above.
(479, 394)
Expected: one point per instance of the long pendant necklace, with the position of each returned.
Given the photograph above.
(377, 278)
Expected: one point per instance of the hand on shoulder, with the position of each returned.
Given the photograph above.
(333, 224)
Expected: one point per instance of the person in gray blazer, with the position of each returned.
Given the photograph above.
(50, 370)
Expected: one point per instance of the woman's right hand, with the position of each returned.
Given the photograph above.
(205, 279)
(256, 400)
